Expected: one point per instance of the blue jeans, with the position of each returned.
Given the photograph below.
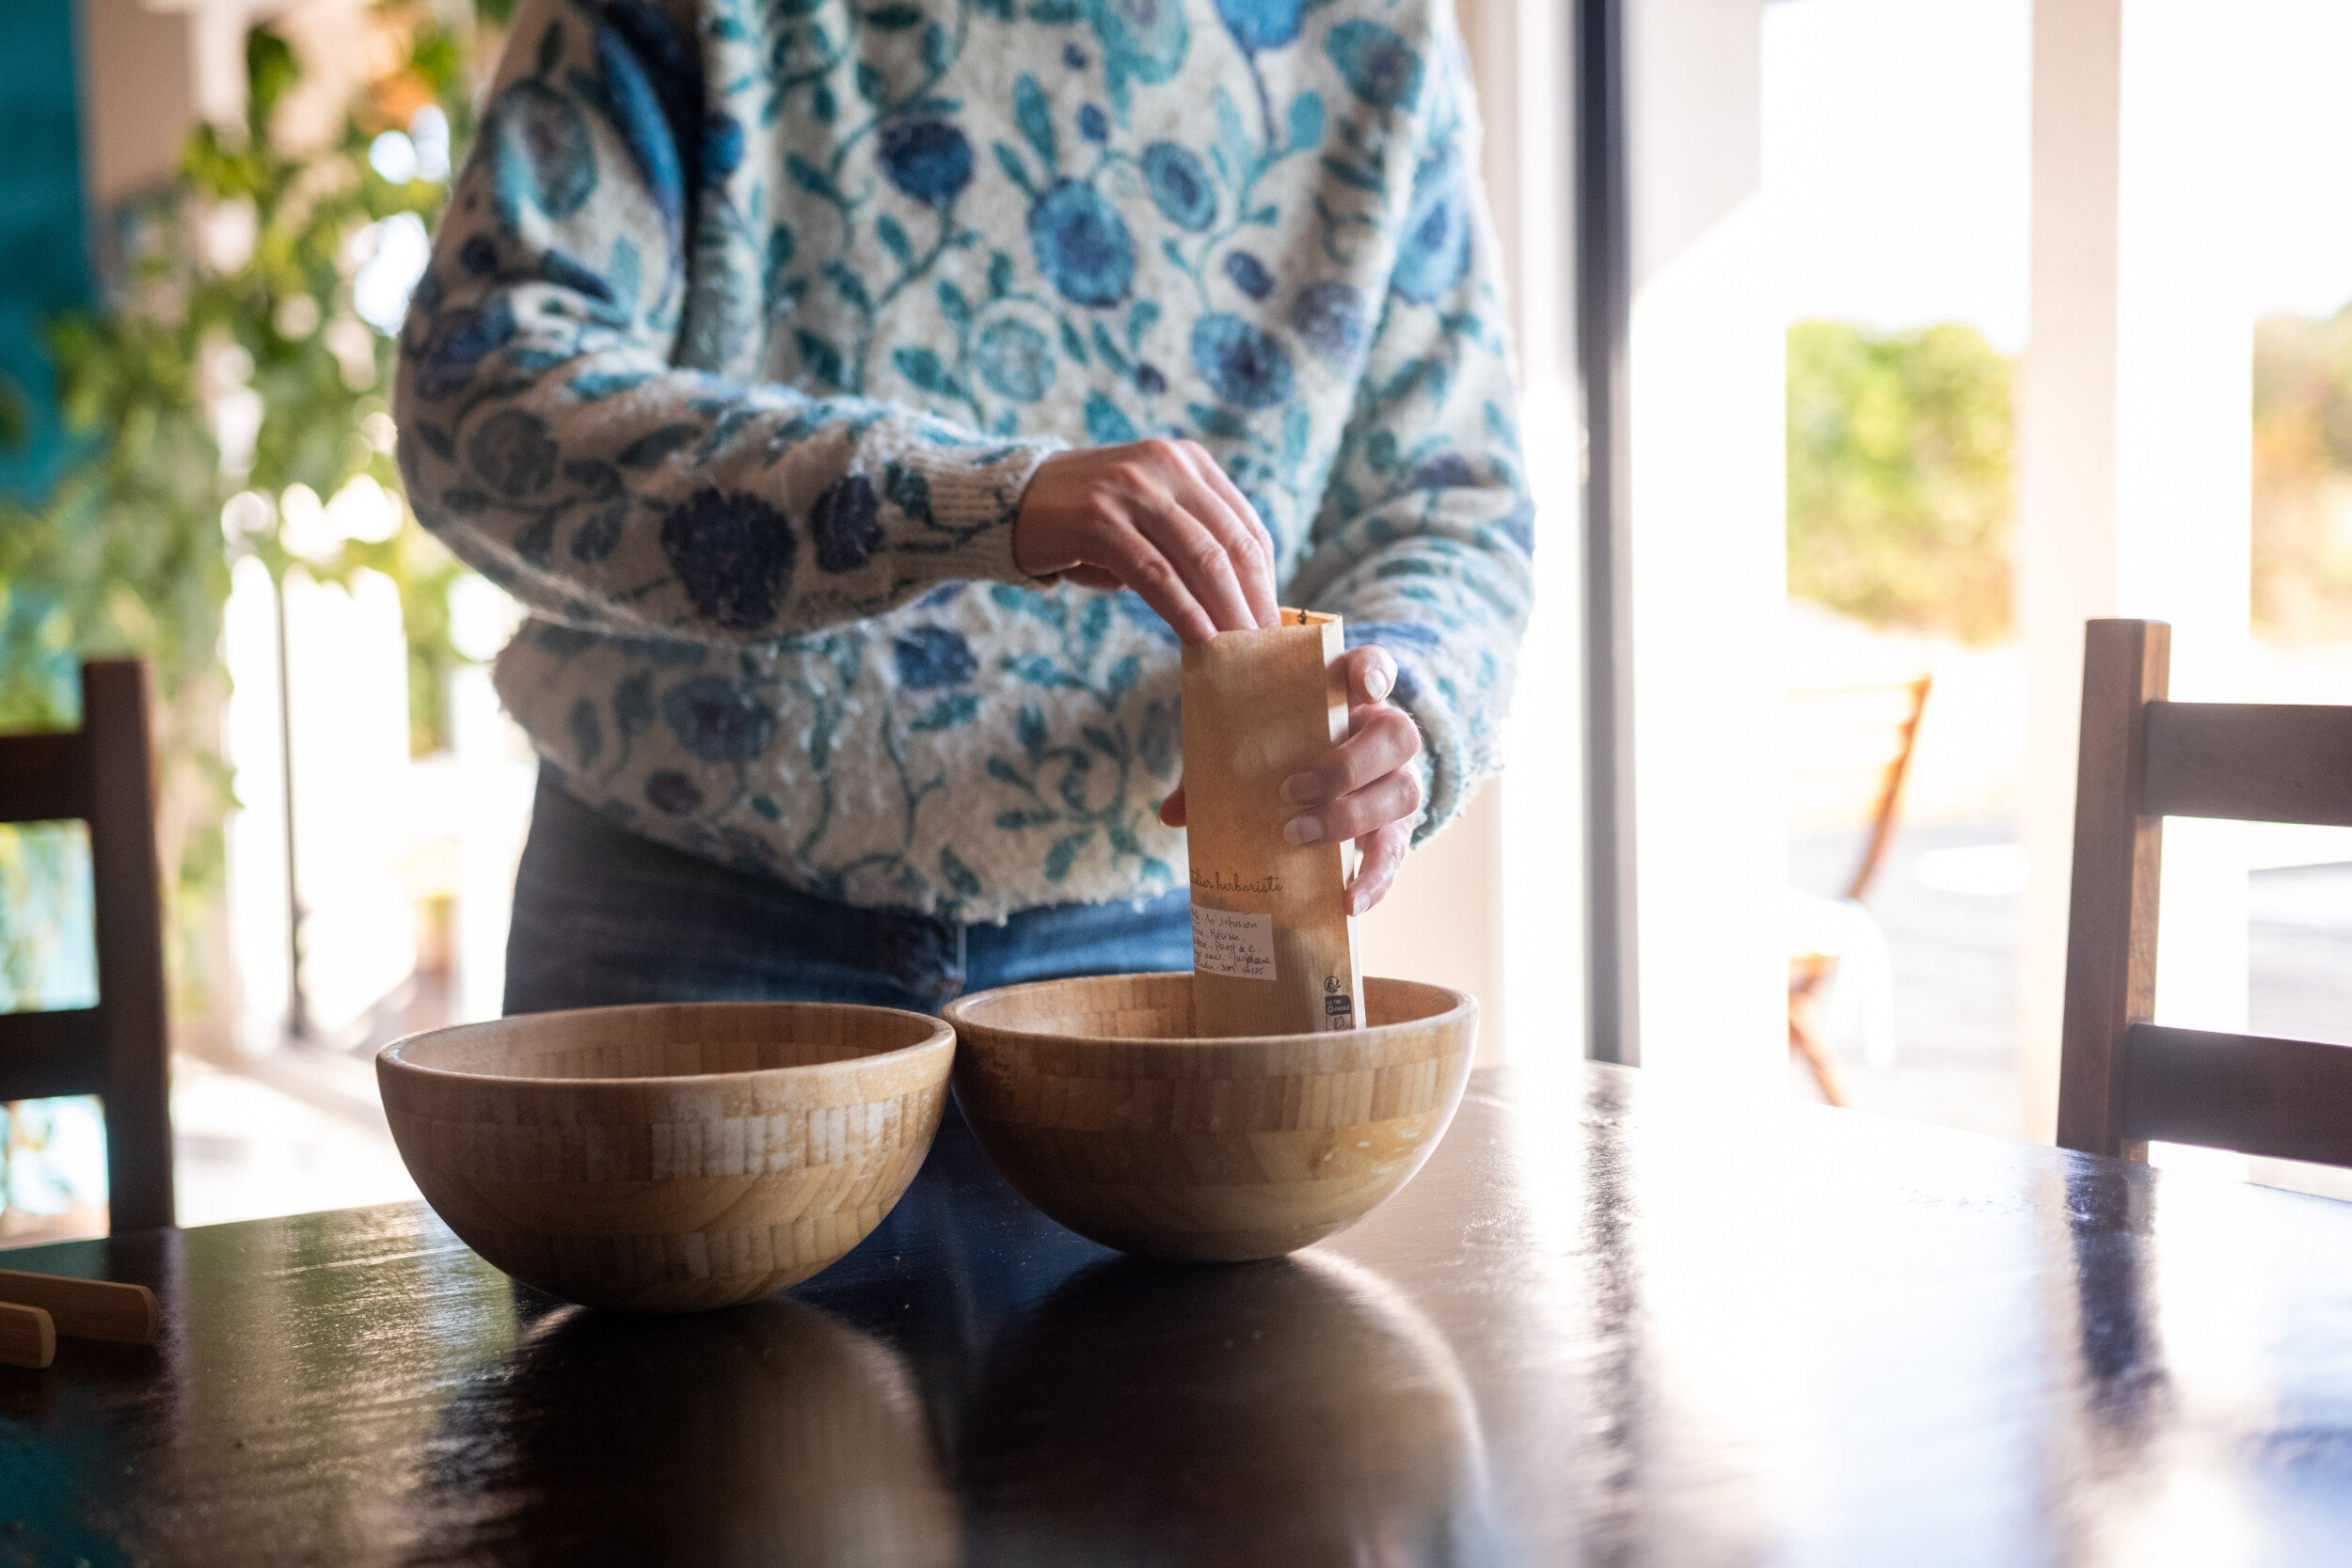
(605, 918)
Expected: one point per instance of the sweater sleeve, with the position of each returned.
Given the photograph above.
(1425, 539)
(550, 430)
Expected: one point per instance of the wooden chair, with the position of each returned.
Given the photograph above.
(1842, 734)
(103, 774)
(2125, 1080)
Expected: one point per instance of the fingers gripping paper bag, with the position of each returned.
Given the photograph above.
(1273, 946)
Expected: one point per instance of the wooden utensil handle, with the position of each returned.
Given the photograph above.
(28, 1338)
(88, 1308)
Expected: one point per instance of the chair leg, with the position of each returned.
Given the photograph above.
(1803, 1041)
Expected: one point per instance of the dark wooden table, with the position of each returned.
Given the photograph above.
(1608, 1325)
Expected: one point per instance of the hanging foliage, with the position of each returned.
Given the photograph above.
(229, 398)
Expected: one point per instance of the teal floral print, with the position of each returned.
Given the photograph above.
(926, 159)
(751, 320)
(1435, 250)
(1246, 367)
(539, 154)
(1143, 41)
(1179, 186)
(1379, 67)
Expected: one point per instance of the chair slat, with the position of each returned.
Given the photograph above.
(2249, 762)
(105, 775)
(45, 1054)
(2118, 852)
(44, 778)
(2287, 1100)
(126, 883)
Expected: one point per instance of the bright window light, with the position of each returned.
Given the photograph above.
(380, 293)
(394, 157)
(1988, 870)
(428, 129)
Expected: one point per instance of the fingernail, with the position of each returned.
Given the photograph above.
(1304, 829)
(1299, 789)
(1358, 903)
(1377, 684)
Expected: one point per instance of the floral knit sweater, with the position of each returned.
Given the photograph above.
(750, 319)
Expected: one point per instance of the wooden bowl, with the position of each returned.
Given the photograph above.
(671, 1158)
(1096, 1103)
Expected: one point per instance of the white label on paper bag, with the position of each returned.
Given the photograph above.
(1224, 942)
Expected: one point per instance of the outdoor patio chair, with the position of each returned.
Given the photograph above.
(102, 774)
(2123, 1078)
(1848, 740)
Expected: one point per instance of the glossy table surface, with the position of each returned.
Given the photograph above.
(1609, 1323)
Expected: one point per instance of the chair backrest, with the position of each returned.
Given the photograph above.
(2124, 1080)
(102, 774)
(1850, 746)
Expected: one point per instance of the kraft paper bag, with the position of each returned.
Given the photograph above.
(1273, 946)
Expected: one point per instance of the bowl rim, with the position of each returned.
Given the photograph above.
(393, 1059)
(1464, 1005)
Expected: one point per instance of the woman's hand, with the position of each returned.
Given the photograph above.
(1363, 788)
(1159, 518)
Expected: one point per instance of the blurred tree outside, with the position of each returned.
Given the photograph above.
(1899, 460)
(2303, 479)
(227, 398)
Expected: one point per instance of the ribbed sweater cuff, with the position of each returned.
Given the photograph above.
(983, 499)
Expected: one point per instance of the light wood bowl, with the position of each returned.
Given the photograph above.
(671, 1158)
(1098, 1105)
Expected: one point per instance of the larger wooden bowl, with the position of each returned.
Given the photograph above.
(671, 1158)
(1098, 1107)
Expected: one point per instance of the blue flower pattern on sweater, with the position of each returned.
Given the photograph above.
(750, 319)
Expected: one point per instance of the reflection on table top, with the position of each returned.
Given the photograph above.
(1609, 1323)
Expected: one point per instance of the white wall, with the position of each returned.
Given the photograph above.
(1708, 567)
(1492, 906)
(2134, 459)
(1709, 557)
